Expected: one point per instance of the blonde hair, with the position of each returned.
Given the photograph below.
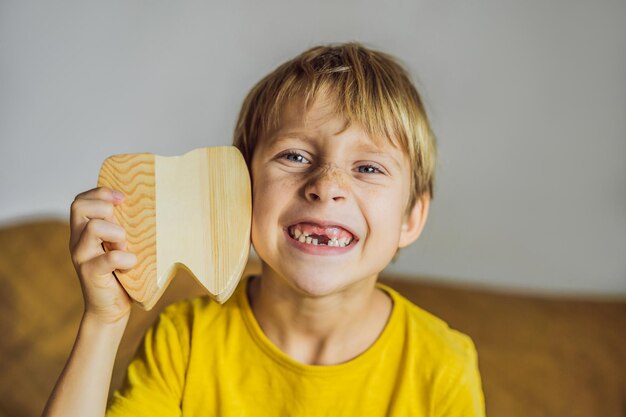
(369, 87)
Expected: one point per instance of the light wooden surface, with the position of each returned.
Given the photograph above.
(191, 211)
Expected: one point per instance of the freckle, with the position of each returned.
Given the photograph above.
(336, 176)
(333, 174)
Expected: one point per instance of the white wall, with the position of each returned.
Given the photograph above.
(528, 99)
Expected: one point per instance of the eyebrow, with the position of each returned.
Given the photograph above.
(283, 137)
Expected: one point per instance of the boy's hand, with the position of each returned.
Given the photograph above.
(92, 224)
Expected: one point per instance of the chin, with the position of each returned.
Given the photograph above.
(315, 287)
(316, 283)
(311, 277)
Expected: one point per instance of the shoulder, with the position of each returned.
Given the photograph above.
(447, 358)
(431, 335)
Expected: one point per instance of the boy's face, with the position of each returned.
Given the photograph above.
(314, 177)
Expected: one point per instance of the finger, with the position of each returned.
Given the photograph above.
(109, 246)
(103, 265)
(83, 210)
(101, 193)
(98, 194)
(96, 232)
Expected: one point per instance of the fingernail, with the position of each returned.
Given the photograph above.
(117, 195)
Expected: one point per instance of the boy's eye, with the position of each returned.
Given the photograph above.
(294, 157)
(298, 158)
(368, 169)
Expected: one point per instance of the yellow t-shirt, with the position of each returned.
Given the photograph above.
(206, 359)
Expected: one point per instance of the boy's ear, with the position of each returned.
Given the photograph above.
(414, 221)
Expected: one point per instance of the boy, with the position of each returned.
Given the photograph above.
(342, 160)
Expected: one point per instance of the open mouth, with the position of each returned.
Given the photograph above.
(317, 235)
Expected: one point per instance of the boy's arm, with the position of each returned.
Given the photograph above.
(83, 386)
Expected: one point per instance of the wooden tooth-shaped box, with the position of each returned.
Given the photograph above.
(192, 211)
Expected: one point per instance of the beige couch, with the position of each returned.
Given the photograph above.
(539, 356)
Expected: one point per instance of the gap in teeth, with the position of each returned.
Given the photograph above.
(305, 237)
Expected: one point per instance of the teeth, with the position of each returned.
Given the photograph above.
(339, 243)
(342, 243)
(305, 237)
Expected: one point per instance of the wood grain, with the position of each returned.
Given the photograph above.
(134, 175)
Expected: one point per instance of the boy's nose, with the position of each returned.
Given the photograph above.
(328, 183)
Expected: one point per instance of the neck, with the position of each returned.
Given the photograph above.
(319, 330)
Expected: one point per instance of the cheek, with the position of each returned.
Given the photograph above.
(270, 195)
(273, 188)
(384, 212)
(260, 222)
(267, 192)
(260, 210)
